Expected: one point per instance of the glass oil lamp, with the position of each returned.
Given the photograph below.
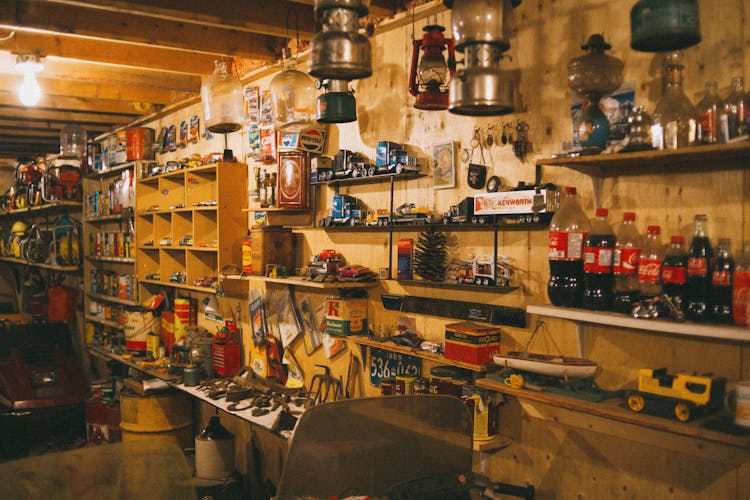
(428, 76)
(591, 77)
(221, 95)
(292, 97)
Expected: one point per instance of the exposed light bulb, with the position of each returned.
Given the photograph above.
(29, 92)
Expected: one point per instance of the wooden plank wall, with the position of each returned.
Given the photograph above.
(582, 457)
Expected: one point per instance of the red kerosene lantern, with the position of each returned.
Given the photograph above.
(431, 90)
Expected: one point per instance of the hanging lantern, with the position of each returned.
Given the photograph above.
(292, 98)
(73, 141)
(593, 76)
(221, 94)
(481, 31)
(428, 79)
(337, 103)
(338, 51)
(664, 25)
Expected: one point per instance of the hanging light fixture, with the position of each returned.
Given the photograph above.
(664, 25)
(29, 92)
(221, 95)
(428, 78)
(338, 51)
(292, 97)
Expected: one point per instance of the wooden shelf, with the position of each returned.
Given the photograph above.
(104, 218)
(456, 286)
(102, 258)
(24, 262)
(114, 300)
(102, 321)
(133, 362)
(182, 286)
(116, 169)
(696, 158)
(389, 346)
(201, 208)
(706, 331)
(300, 281)
(403, 176)
(56, 206)
(616, 410)
(179, 172)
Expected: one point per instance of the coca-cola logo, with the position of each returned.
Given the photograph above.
(650, 269)
(554, 239)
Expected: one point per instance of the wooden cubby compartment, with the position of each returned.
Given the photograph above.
(200, 187)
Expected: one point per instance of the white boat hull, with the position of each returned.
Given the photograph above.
(552, 366)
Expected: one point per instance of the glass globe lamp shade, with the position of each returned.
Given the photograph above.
(221, 95)
(292, 98)
(433, 71)
(72, 140)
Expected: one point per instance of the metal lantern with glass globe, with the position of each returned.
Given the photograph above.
(336, 104)
(338, 51)
(428, 77)
(481, 31)
(292, 98)
(593, 76)
(221, 94)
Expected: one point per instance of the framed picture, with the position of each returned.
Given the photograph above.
(444, 166)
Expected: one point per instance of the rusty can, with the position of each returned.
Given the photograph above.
(139, 143)
(448, 380)
(405, 384)
(387, 386)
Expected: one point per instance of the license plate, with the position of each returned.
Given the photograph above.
(388, 364)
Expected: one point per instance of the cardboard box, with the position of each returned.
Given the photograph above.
(346, 316)
(471, 342)
(270, 245)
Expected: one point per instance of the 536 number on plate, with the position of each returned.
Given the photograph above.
(388, 364)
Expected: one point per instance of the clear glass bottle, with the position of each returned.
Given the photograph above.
(223, 106)
(677, 113)
(292, 97)
(709, 108)
(735, 110)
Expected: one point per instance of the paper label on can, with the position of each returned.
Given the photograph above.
(625, 260)
(697, 266)
(649, 270)
(676, 275)
(597, 260)
(566, 245)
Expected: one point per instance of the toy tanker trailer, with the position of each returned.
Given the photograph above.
(682, 396)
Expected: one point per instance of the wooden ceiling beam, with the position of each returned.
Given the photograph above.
(280, 19)
(126, 27)
(378, 8)
(92, 129)
(115, 53)
(65, 103)
(21, 113)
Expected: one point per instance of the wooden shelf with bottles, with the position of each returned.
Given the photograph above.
(203, 205)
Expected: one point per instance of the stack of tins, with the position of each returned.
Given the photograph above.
(165, 416)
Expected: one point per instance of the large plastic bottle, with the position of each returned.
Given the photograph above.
(741, 287)
(699, 275)
(721, 283)
(625, 264)
(598, 250)
(567, 232)
(674, 271)
(649, 265)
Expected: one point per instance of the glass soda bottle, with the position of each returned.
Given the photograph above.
(598, 250)
(567, 232)
(649, 265)
(675, 109)
(674, 271)
(735, 110)
(709, 109)
(625, 264)
(741, 287)
(698, 275)
(721, 283)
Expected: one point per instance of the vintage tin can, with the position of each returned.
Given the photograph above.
(405, 384)
(387, 386)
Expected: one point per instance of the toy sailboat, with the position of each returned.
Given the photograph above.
(553, 365)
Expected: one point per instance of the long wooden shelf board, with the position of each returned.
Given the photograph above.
(456, 286)
(133, 362)
(448, 228)
(116, 169)
(300, 281)
(115, 300)
(41, 265)
(183, 286)
(201, 208)
(102, 258)
(373, 179)
(615, 409)
(709, 331)
(279, 210)
(103, 218)
(179, 172)
(734, 155)
(179, 247)
(102, 321)
(390, 346)
(47, 207)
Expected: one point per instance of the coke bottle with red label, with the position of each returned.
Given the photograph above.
(721, 283)
(741, 287)
(698, 275)
(567, 232)
(674, 271)
(649, 265)
(625, 264)
(598, 250)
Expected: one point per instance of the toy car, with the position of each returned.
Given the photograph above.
(187, 241)
(354, 271)
(178, 277)
(329, 255)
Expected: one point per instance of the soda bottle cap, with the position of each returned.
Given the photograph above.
(678, 239)
(725, 240)
(629, 216)
(570, 190)
(654, 229)
(602, 212)
(701, 216)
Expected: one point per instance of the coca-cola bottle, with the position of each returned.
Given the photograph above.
(708, 115)
(698, 273)
(567, 232)
(625, 264)
(649, 265)
(735, 110)
(674, 271)
(741, 287)
(721, 283)
(598, 250)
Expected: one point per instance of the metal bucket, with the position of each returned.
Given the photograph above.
(167, 416)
